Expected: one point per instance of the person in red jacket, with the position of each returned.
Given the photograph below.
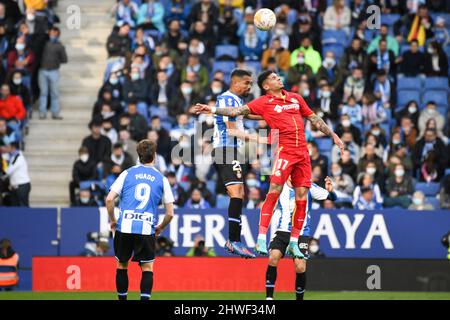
(11, 107)
(21, 58)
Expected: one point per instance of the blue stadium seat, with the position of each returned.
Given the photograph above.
(222, 201)
(256, 65)
(429, 189)
(404, 96)
(337, 48)
(227, 50)
(211, 186)
(434, 202)
(438, 96)
(436, 83)
(389, 19)
(324, 144)
(387, 130)
(442, 110)
(334, 36)
(224, 66)
(166, 125)
(408, 83)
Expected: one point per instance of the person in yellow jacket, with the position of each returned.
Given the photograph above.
(37, 5)
(9, 263)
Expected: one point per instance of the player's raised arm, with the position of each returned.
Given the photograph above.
(322, 126)
(223, 111)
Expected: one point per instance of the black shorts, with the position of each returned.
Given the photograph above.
(143, 247)
(281, 242)
(228, 165)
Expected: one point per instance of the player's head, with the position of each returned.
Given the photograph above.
(146, 151)
(269, 81)
(241, 82)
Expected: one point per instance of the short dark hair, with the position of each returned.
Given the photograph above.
(146, 151)
(262, 77)
(117, 145)
(240, 73)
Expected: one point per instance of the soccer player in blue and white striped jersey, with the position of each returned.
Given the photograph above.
(282, 218)
(140, 188)
(228, 136)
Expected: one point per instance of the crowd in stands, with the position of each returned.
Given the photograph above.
(384, 91)
(30, 55)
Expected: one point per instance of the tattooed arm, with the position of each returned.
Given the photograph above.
(228, 112)
(318, 122)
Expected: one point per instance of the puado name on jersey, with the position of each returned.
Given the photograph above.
(144, 176)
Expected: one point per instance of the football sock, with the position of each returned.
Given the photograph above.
(266, 213)
(146, 285)
(122, 283)
(300, 283)
(234, 219)
(271, 277)
(298, 219)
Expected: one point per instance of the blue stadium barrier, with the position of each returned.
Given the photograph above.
(429, 189)
(438, 96)
(436, 83)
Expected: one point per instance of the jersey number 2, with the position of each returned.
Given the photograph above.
(142, 194)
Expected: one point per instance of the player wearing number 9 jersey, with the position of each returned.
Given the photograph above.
(141, 189)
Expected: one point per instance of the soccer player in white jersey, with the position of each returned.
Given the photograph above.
(228, 136)
(283, 220)
(140, 188)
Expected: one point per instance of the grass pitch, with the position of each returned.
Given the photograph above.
(312, 295)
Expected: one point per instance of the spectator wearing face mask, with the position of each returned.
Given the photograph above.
(327, 102)
(372, 111)
(369, 155)
(408, 132)
(419, 202)
(299, 69)
(196, 201)
(354, 85)
(430, 113)
(328, 70)
(436, 61)
(350, 145)
(411, 111)
(167, 66)
(314, 249)
(184, 97)
(198, 72)
(342, 182)
(21, 58)
(214, 90)
(399, 188)
(254, 199)
(432, 165)
(18, 89)
(312, 56)
(53, 56)
(366, 181)
(109, 131)
(86, 199)
(351, 113)
(11, 107)
(135, 90)
(111, 90)
(84, 169)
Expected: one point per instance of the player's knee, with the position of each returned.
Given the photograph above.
(122, 265)
(275, 188)
(300, 266)
(273, 260)
(147, 266)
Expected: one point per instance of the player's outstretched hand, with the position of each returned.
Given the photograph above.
(328, 184)
(337, 141)
(202, 108)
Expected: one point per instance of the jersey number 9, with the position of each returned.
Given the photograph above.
(142, 194)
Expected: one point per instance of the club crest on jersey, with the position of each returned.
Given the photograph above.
(293, 100)
(278, 173)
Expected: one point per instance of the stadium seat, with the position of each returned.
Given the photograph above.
(337, 48)
(404, 96)
(387, 130)
(434, 202)
(256, 65)
(324, 144)
(211, 186)
(227, 51)
(334, 36)
(436, 83)
(429, 189)
(438, 96)
(442, 110)
(389, 19)
(166, 125)
(222, 201)
(409, 83)
(185, 185)
(224, 66)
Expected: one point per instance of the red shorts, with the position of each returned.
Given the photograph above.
(295, 163)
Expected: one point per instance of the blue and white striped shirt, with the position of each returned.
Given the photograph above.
(221, 136)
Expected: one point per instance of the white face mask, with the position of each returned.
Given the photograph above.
(314, 248)
(376, 132)
(30, 16)
(371, 171)
(17, 81)
(330, 62)
(399, 173)
(135, 76)
(252, 183)
(301, 60)
(430, 50)
(186, 90)
(113, 81)
(326, 94)
(337, 173)
(84, 200)
(417, 201)
(84, 158)
(346, 123)
(412, 109)
(20, 46)
(396, 141)
(306, 92)
(216, 90)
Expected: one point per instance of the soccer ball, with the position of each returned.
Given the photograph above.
(264, 19)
